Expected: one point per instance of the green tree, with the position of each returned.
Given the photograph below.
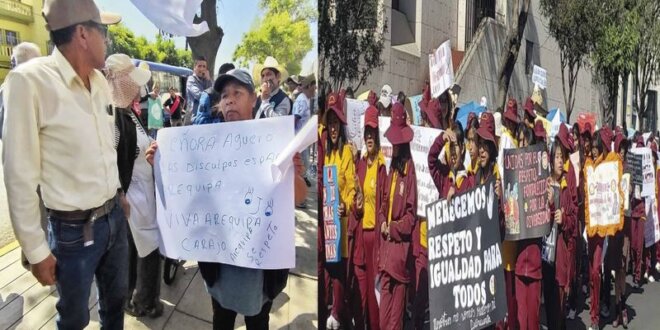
(571, 24)
(647, 59)
(613, 56)
(283, 33)
(162, 50)
(351, 41)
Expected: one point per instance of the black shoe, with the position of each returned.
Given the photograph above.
(155, 311)
(133, 310)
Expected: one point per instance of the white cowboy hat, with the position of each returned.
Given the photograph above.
(121, 73)
(269, 63)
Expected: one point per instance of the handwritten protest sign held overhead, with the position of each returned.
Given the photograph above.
(331, 220)
(216, 197)
(419, 149)
(539, 77)
(466, 274)
(355, 121)
(526, 172)
(603, 199)
(441, 69)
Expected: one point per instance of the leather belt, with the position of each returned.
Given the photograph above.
(84, 215)
(87, 217)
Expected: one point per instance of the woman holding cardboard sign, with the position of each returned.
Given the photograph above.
(338, 153)
(396, 222)
(563, 209)
(371, 181)
(599, 152)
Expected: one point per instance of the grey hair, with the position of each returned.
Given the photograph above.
(24, 52)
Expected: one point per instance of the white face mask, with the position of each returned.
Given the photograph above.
(143, 92)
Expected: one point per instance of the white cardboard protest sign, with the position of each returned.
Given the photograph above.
(427, 193)
(604, 197)
(539, 77)
(651, 226)
(441, 69)
(355, 121)
(216, 197)
(648, 186)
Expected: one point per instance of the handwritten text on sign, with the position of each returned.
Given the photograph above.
(355, 121)
(441, 69)
(605, 211)
(331, 220)
(526, 172)
(419, 149)
(216, 200)
(466, 276)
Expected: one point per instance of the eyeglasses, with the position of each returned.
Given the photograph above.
(103, 29)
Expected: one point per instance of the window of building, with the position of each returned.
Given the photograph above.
(529, 57)
(403, 22)
(477, 10)
(11, 38)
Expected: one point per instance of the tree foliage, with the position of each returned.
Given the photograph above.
(615, 41)
(647, 59)
(163, 51)
(283, 33)
(351, 41)
(571, 24)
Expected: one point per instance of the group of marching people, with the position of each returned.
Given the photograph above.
(382, 272)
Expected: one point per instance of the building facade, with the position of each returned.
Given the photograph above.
(21, 20)
(477, 31)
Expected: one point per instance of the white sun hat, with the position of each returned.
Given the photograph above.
(124, 78)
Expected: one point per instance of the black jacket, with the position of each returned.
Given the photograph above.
(126, 146)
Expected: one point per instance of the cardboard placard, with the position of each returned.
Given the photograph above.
(466, 273)
(526, 172)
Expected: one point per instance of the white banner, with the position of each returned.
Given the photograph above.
(604, 195)
(354, 121)
(173, 16)
(539, 77)
(216, 197)
(441, 69)
(651, 227)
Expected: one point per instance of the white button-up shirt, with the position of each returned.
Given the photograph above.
(59, 135)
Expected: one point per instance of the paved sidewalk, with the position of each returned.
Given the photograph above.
(25, 304)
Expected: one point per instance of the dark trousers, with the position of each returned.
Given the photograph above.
(595, 256)
(554, 298)
(77, 265)
(421, 295)
(224, 319)
(143, 277)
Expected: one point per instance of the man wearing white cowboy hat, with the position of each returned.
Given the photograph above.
(132, 142)
(63, 143)
(274, 101)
